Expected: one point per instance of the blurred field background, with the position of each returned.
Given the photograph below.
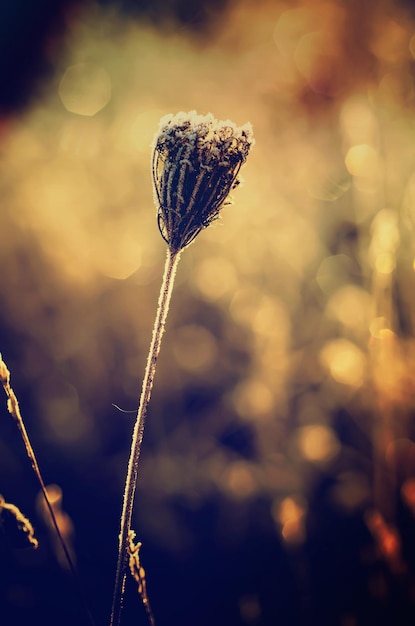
(277, 481)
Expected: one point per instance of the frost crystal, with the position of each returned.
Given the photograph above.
(196, 162)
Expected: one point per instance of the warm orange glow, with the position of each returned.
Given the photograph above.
(345, 361)
(385, 241)
(362, 160)
(239, 480)
(317, 443)
(352, 306)
(385, 263)
(253, 400)
(289, 515)
(378, 326)
(358, 123)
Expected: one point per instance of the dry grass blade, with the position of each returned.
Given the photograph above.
(14, 410)
(22, 526)
(139, 575)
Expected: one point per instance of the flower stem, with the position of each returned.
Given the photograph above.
(166, 289)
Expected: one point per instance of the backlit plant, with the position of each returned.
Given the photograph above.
(195, 164)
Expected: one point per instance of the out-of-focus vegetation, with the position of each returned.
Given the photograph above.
(277, 480)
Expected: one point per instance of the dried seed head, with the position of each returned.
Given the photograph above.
(196, 162)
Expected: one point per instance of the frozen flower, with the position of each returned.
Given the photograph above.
(196, 163)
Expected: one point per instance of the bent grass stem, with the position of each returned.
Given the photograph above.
(14, 410)
(166, 289)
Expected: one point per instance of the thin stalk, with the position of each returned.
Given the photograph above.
(14, 410)
(166, 289)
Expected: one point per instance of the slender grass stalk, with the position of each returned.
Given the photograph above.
(14, 410)
(172, 260)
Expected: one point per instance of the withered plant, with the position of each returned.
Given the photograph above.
(196, 162)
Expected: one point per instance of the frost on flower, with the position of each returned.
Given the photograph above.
(196, 163)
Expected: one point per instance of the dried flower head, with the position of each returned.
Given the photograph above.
(196, 163)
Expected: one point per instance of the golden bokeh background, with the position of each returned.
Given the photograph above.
(277, 474)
